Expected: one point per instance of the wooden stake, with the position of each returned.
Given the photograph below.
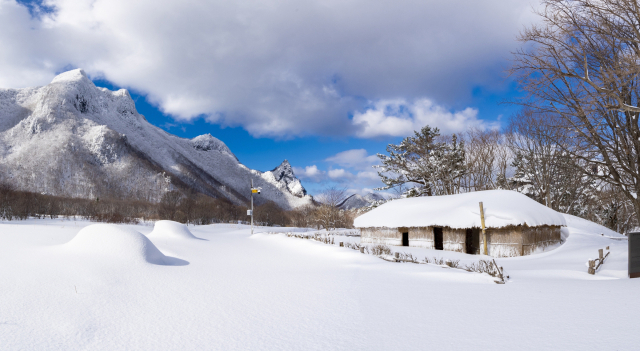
(484, 232)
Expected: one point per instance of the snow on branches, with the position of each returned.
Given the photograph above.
(432, 163)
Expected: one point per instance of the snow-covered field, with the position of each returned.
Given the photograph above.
(108, 288)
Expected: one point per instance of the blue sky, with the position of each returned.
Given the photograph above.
(324, 84)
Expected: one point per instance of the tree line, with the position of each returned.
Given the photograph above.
(522, 157)
(186, 207)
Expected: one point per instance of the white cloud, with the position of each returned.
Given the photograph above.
(309, 173)
(400, 118)
(355, 158)
(371, 175)
(275, 67)
(339, 174)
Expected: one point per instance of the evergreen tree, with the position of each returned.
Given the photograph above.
(431, 164)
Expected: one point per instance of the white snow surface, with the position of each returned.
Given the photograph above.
(59, 290)
(501, 208)
(72, 138)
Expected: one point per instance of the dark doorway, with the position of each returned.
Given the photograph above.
(437, 238)
(472, 241)
(405, 239)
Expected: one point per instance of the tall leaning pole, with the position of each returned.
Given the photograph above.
(484, 232)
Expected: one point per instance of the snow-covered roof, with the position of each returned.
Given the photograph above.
(501, 208)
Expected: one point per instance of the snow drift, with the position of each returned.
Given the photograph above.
(116, 243)
(171, 230)
(501, 208)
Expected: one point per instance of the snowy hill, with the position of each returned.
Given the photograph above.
(71, 138)
(356, 201)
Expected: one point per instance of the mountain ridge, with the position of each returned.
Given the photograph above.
(71, 138)
(356, 201)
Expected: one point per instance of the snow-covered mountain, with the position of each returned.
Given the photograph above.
(284, 178)
(356, 201)
(72, 138)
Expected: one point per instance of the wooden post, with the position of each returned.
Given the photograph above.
(361, 249)
(341, 244)
(396, 255)
(592, 267)
(600, 255)
(607, 247)
(499, 270)
(484, 232)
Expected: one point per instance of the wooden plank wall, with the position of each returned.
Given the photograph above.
(454, 239)
(503, 242)
(382, 236)
(539, 238)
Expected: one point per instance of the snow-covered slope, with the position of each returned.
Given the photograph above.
(72, 138)
(356, 201)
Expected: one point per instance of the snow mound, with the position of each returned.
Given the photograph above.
(501, 208)
(583, 226)
(117, 243)
(170, 230)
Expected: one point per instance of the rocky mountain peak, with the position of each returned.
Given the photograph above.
(284, 170)
(284, 176)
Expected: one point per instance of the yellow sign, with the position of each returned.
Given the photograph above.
(254, 190)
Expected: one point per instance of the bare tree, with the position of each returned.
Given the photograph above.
(332, 196)
(168, 206)
(328, 214)
(487, 160)
(270, 214)
(303, 216)
(583, 67)
(544, 170)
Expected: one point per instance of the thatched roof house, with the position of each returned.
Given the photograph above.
(515, 224)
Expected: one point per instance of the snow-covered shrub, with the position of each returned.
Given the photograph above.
(354, 246)
(484, 266)
(379, 250)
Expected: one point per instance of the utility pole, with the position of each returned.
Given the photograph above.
(250, 212)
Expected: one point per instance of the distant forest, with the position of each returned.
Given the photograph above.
(190, 208)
